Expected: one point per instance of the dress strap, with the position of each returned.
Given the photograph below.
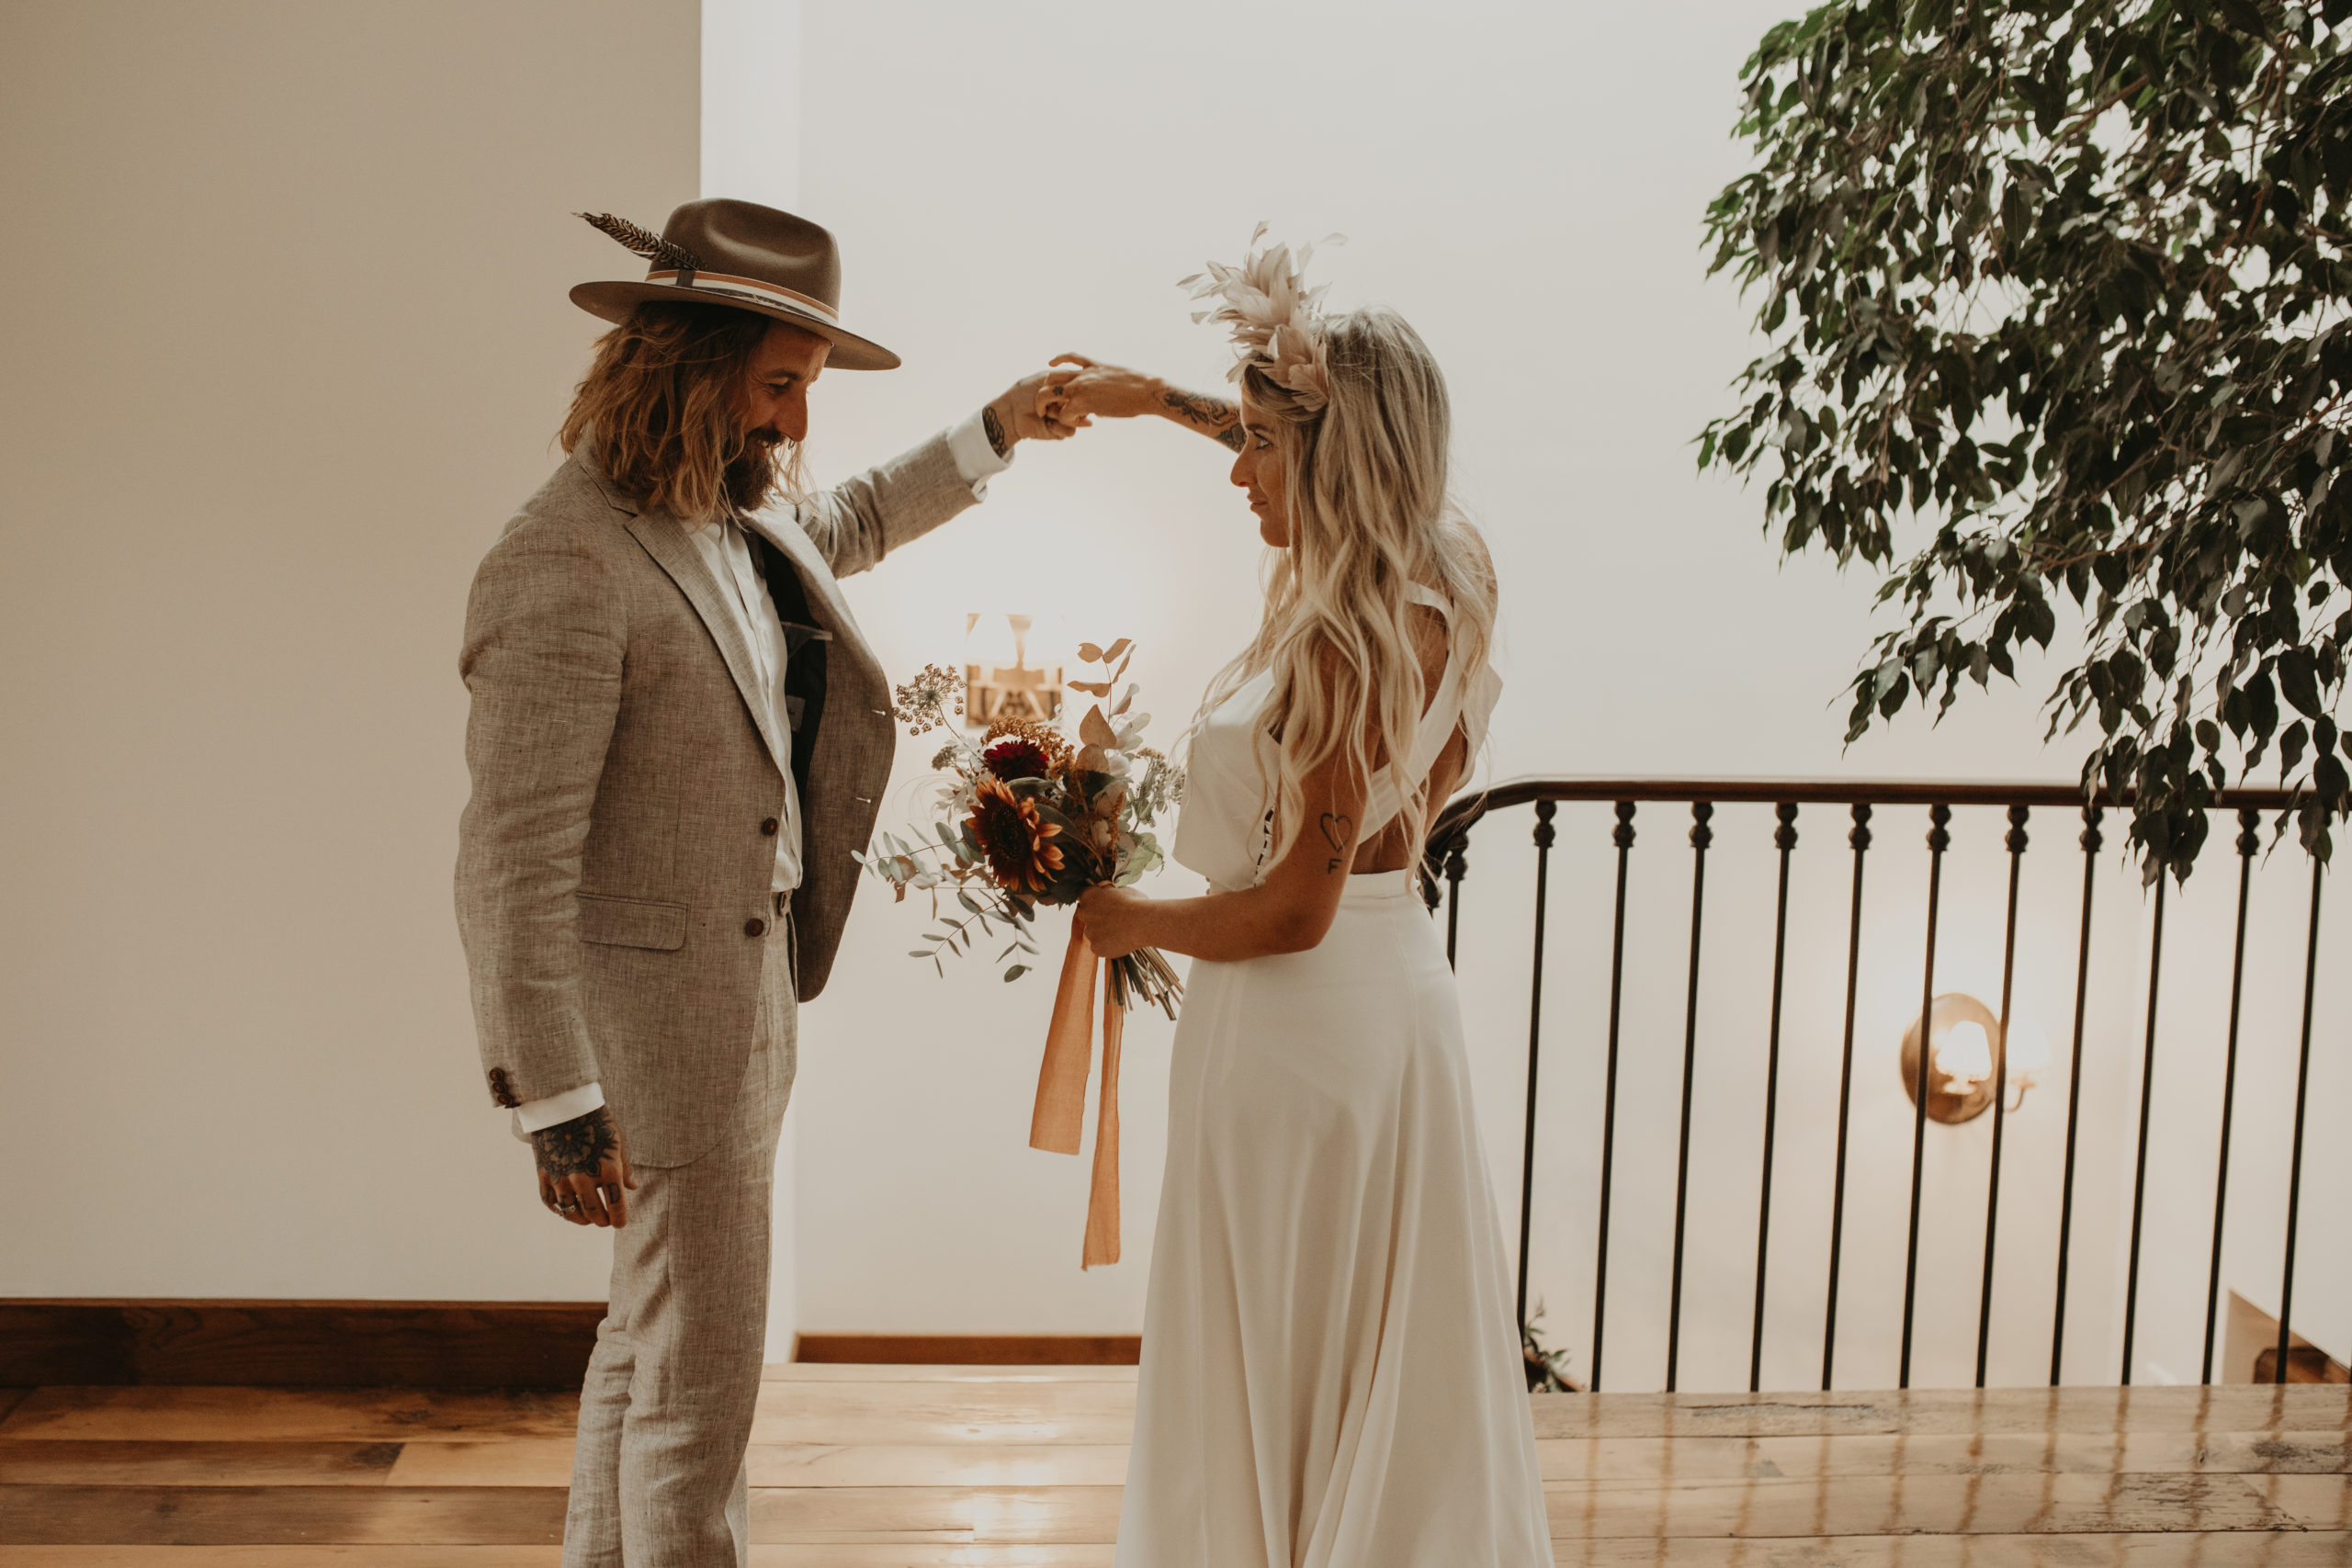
(1431, 737)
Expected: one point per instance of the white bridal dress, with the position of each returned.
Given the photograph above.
(1331, 1373)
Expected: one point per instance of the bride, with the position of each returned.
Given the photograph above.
(1331, 1374)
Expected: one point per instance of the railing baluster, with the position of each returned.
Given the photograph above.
(2140, 1164)
(2015, 841)
(1545, 834)
(2090, 843)
(2295, 1159)
(1624, 838)
(1700, 837)
(1785, 838)
(1861, 839)
(1938, 841)
(2249, 841)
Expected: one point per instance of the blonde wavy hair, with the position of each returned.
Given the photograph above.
(657, 412)
(1370, 514)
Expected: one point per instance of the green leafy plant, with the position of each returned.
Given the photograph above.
(2057, 301)
(1547, 1369)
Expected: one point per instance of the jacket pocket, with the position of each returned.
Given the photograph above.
(632, 923)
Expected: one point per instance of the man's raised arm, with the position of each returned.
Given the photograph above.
(861, 520)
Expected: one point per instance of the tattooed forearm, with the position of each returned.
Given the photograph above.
(993, 428)
(1213, 417)
(577, 1147)
(1339, 831)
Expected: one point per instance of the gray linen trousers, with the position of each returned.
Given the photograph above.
(613, 867)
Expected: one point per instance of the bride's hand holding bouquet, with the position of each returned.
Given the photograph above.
(1113, 918)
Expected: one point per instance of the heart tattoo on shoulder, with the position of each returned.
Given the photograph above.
(1337, 828)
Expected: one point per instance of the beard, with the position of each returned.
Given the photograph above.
(754, 475)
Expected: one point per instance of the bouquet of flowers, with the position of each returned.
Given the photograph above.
(1024, 818)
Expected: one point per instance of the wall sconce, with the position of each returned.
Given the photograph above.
(1964, 1058)
(999, 681)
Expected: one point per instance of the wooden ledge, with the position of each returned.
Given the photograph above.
(296, 1344)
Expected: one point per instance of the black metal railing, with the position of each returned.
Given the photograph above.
(1447, 864)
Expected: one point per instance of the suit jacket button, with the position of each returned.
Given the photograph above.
(755, 928)
(768, 827)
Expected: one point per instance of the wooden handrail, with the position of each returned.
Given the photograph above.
(1465, 810)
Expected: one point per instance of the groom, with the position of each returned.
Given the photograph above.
(677, 738)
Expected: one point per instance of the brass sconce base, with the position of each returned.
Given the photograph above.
(1951, 1009)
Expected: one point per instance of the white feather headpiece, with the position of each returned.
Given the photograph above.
(1273, 316)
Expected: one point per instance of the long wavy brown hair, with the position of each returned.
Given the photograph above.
(659, 412)
(1371, 514)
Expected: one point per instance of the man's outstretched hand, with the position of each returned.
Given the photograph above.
(1078, 390)
(1024, 413)
(583, 1171)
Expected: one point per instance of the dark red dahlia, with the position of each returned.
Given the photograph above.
(1014, 758)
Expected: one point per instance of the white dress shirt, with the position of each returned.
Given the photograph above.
(728, 553)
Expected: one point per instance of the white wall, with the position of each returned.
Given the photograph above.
(1526, 184)
(289, 344)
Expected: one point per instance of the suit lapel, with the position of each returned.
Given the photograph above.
(817, 581)
(665, 540)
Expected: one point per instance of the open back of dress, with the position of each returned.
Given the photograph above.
(1226, 832)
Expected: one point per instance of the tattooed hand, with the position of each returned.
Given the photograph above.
(583, 1171)
(1078, 389)
(1024, 413)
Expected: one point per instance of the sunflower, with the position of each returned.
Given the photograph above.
(1016, 841)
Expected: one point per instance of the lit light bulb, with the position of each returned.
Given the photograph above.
(1965, 1056)
(989, 641)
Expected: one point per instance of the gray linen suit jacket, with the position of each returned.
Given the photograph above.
(615, 860)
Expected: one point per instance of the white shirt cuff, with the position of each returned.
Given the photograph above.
(557, 1108)
(975, 459)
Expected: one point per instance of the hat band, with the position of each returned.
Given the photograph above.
(752, 290)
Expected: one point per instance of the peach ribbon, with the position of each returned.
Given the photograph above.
(1056, 1125)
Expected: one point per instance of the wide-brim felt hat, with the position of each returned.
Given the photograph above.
(746, 258)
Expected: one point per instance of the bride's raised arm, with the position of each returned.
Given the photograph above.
(1080, 388)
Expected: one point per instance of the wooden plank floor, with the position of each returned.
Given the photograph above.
(992, 1467)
